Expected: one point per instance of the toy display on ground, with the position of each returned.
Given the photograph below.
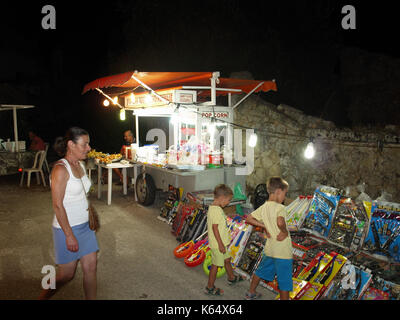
(342, 249)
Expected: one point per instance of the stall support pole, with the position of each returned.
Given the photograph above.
(15, 129)
(137, 128)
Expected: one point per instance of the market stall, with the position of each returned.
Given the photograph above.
(13, 154)
(199, 152)
(343, 248)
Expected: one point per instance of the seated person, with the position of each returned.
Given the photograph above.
(129, 139)
(37, 143)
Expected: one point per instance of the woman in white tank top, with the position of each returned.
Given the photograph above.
(73, 239)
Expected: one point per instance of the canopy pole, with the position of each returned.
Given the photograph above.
(245, 97)
(151, 90)
(15, 129)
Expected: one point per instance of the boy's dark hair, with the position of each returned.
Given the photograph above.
(222, 190)
(275, 183)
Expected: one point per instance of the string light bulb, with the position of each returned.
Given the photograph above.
(252, 140)
(115, 100)
(106, 103)
(148, 99)
(309, 153)
(122, 114)
(132, 98)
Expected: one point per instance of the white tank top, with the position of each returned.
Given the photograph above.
(75, 202)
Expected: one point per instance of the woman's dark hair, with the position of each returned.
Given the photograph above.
(72, 134)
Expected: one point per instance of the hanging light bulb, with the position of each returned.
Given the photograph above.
(132, 98)
(122, 114)
(309, 153)
(106, 103)
(148, 99)
(252, 140)
(115, 100)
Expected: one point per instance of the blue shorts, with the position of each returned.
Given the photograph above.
(282, 268)
(86, 240)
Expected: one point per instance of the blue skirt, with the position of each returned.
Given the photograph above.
(86, 240)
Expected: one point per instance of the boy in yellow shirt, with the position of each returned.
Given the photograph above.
(219, 239)
(278, 256)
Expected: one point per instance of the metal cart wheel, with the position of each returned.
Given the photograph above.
(145, 189)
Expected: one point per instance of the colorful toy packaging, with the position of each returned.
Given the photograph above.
(322, 210)
(349, 225)
(383, 238)
(350, 284)
(252, 253)
(296, 212)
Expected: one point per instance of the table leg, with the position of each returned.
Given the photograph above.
(109, 186)
(125, 189)
(134, 181)
(98, 182)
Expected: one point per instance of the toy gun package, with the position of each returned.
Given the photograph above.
(381, 289)
(252, 253)
(296, 212)
(322, 210)
(350, 225)
(350, 284)
(383, 238)
(238, 244)
(313, 280)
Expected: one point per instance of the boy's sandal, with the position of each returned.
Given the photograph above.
(213, 291)
(253, 296)
(235, 280)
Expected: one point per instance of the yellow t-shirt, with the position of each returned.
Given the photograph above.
(216, 215)
(268, 214)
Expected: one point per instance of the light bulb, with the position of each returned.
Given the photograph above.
(132, 97)
(106, 103)
(309, 153)
(148, 99)
(115, 100)
(122, 114)
(253, 140)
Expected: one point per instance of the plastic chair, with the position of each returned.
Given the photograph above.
(45, 163)
(37, 168)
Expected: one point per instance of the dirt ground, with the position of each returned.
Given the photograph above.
(135, 260)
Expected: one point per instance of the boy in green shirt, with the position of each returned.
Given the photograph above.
(219, 239)
(278, 256)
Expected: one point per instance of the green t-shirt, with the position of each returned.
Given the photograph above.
(216, 215)
(268, 214)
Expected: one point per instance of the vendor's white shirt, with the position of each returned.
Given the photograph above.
(75, 201)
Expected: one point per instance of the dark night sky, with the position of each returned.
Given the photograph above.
(295, 42)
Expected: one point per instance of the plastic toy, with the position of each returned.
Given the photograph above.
(322, 209)
(350, 225)
(383, 238)
(207, 266)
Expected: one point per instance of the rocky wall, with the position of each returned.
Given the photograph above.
(344, 158)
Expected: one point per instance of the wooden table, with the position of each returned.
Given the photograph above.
(110, 167)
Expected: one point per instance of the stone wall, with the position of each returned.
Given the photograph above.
(344, 158)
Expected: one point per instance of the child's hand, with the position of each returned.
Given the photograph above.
(281, 236)
(221, 248)
(267, 233)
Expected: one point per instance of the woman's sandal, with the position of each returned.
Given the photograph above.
(214, 291)
(235, 280)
